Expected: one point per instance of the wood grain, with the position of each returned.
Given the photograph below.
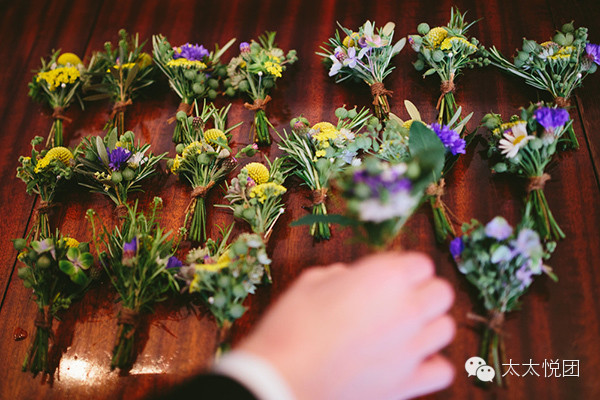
(558, 320)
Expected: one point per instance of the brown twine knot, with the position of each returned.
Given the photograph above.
(120, 106)
(58, 113)
(44, 207)
(436, 189)
(128, 316)
(562, 102)
(537, 182)
(318, 196)
(121, 211)
(445, 88)
(202, 191)
(43, 319)
(378, 89)
(494, 321)
(183, 106)
(258, 104)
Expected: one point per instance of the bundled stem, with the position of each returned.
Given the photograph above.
(380, 100)
(446, 104)
(195, 214)
(261, 123)
(537, 209)
(320, 230)
(492, 343)
(123, 352)
(37, 357)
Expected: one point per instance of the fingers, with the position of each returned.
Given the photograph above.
(435, 336)
(401, 269)
(430, 300)
(435, 374)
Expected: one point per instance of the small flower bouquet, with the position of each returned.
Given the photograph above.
(255, 195)
(254, 72)
(55, 269)
(140, 264)
(525, 146)
(501, 263)
(364, 55)
(316, 154)
(557, 66)
(57, 83)
(224, 275)
(446, 50)
(114, 167)
(392, 144)
(193, 73)
(43, 173)
(204, 159)
(123, 72)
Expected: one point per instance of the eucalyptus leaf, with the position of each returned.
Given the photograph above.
(101, 149)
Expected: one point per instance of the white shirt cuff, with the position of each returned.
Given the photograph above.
(255, 373)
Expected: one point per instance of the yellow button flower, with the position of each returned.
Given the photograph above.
(212, 135)
(436, 36)
(68, 58)
(258, 172)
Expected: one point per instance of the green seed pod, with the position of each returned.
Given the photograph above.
(352, 113)
(560, 39)
(569, 39)
(419, 65)
(413, 171)
(529, 46)
(499, 168)
(227, 83)
(230, 92)
(523, 56)
(116, 177)
(128, 174)
(19, 244)
(237, 310)
(179, 148)
(535, 143)
(198, 88)
(23, 273)
(200, 78)
(43, 262)
(437, 55)
(244, 86)
(219, 300)
(341, 113)
(222, 71)
(190, 74)
(181, 116)
(293, 122)
(568, 27)
(224, 281)
(239, 291)
(204, 159)
(213, 84)
(212, 94)
(423, 28)
(268, 82)
(373, 121)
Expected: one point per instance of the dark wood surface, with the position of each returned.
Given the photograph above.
(558, 320)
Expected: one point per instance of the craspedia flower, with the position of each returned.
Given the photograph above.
(258, 172)
(68, 58)
(60, 153)
(350, 41)
(436, 36)
(212, 136)
(70, 242)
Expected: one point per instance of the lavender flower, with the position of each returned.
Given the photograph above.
(593, 51)
(551, 118)
(528, 244)
(129, 252)
(174, 262)
(456, 247)
(118, 158)
(524, 275)
(451, 139)
(391, 181)
(191, 52)
(498, 229)
(244, 47)
(351, 59)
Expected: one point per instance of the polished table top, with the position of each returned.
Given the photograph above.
(557, 321)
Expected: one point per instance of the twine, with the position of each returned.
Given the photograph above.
(43, 319)
(197, 192)
(437, 190)
(318, 196)
(127, 316)
(377, 90)
(494, 321)
(258, 104)
(120, 106)
(562, 102)
(445, 88)
(183, 106)
(121, 211)
(58, 113)
(42, 208)
(537, 182)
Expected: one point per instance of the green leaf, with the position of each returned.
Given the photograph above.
(86, 260)
(398, 46)
(73, 254)
(80, 278)
(430, 71)
(329, 219)
(412, 111)
(67, 267)
(426, 146)
(112, 139)
(101, 149)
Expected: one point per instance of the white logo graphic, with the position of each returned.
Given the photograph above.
(476, 366)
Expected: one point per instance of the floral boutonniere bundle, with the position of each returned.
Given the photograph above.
(57, 83)
(56, 270)
(364, 55)
(224, 275)
(501, 263)
(446, 50)
(114, 167)
(316, 153)
(557, 66)
(525, 146)
(122, 72)
(43, 173)
(193, 73)
(140, 264)
(204, 159)
(255, 72)
(255, 195)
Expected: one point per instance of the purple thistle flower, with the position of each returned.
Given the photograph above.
(456, 247)
(244, 47)
(498, 229)
(450, 138)
(551, 118)
(191, 52)
(118, 158)
(174, 262)
(593, 51)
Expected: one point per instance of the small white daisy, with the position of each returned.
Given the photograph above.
(514, 140)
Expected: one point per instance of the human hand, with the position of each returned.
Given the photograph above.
(370, 330)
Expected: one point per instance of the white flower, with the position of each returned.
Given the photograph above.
(514, 140)
(400, 204)
(356, 162)
(137, 159)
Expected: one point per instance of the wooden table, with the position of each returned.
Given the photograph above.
(557, 321)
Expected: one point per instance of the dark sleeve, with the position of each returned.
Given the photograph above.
(209, 387)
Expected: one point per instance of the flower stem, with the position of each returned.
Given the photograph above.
(261, 128)
(123, 352)
(320, 230)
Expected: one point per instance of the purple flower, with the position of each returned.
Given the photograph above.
(174, 262)
(498, 229)
(390, 180)
(130, 247)
(456, 247)
(351, 60)
(192, 52)
(551, 118)
(524, 274)
(593, 51)
(451, 139)
(245, 47)
(528, 244)
(118, 158)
